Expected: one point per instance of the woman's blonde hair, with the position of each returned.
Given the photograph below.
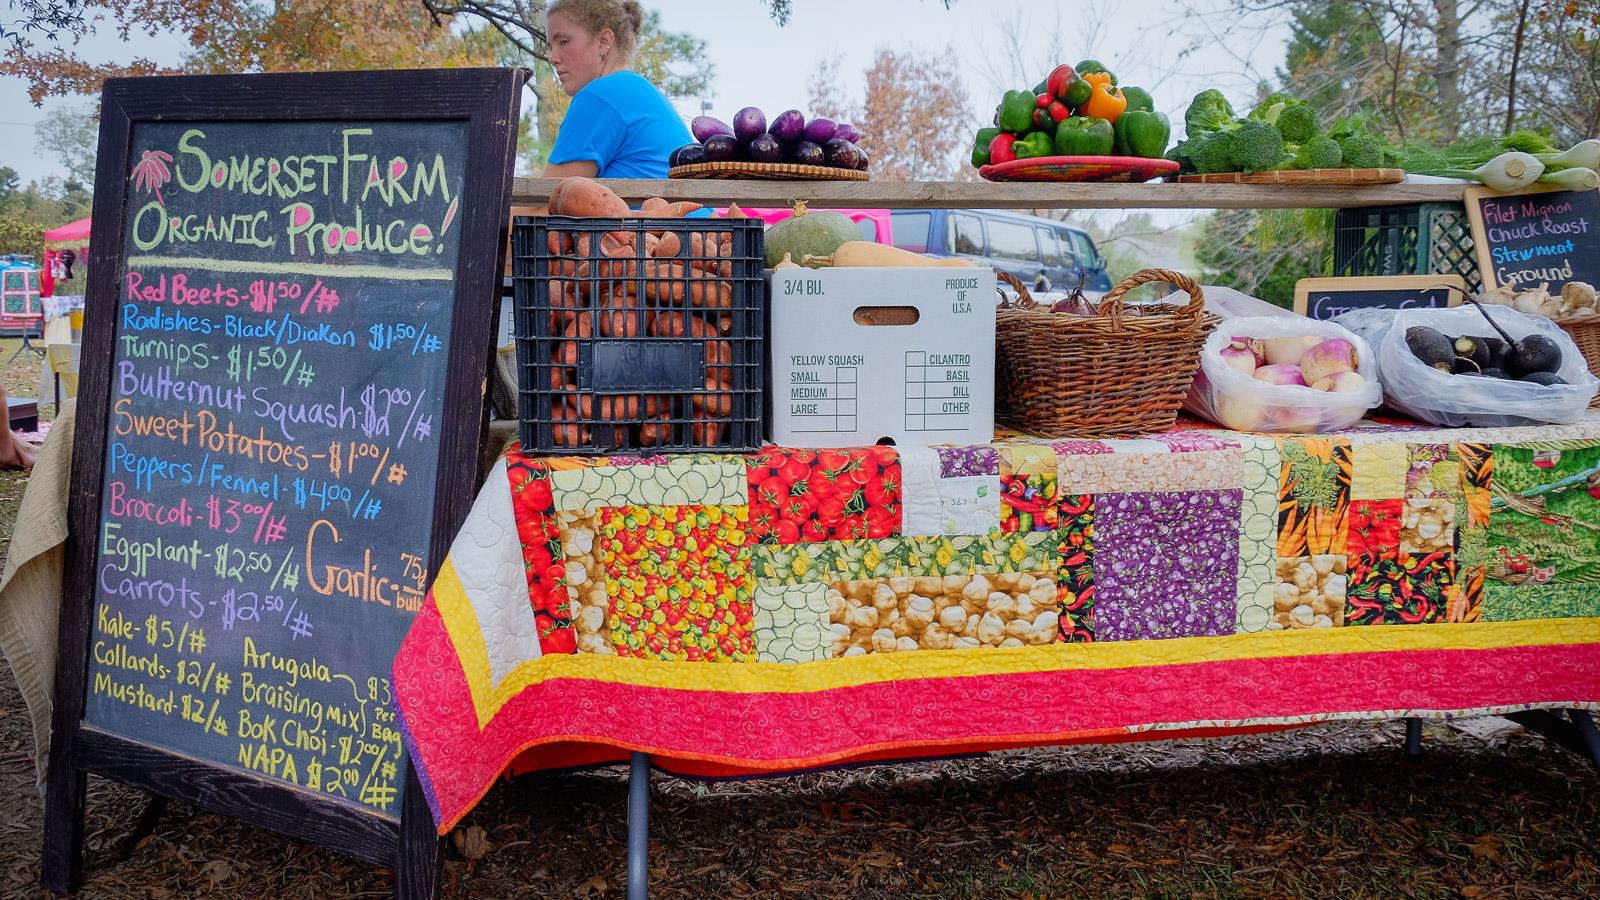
(624, 18)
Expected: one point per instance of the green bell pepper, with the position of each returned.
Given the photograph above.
(1016, 111)
(1034, 145)
(1090, 66)
(1076, 93)
(1084, 136)
(980, 146)
(1138, 98)
(1142, 133)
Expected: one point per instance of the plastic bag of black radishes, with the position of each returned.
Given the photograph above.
(1283, 373)
(1501, 395)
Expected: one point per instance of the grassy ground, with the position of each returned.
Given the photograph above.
(1331, 811)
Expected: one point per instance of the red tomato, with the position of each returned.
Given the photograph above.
(536, 494)
(787, 532)
(814, 531)
(795, 471)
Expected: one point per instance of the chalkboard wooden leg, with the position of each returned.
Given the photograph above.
(1413, 739)
(62, 869)
(639, 828)
(154, 808)
(416, 870)
(1584, 723)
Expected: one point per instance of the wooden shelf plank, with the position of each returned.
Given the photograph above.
(984, 194)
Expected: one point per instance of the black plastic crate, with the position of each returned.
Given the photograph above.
(1417, 239)
(639, 352)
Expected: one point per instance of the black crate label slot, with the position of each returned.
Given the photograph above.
(282, 334)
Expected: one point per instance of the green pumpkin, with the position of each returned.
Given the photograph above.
(816, 233)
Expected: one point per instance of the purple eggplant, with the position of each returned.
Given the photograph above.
(749, 122)
(808, 153)
(720, 148)
(865, 160)
(820, 131)
(764, 148)
(687, 155)
(843, 155)
(704, 126)
(848, 132)
(788, 127)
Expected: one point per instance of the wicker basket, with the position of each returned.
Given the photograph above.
(1121, 372)
(1586, 334)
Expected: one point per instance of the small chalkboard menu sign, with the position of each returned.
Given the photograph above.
(277, 437)
(1324, 298)
(1540, 235)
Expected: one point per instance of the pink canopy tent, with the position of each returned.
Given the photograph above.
(72, 234)
(65, 247)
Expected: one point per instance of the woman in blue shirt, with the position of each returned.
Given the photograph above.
(619, 125)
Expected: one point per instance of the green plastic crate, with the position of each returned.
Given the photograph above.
(1418, 239)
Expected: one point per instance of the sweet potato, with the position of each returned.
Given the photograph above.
(566, 424)
(668, 244)
(579, 196)
(682, 208)
(734, 212)
(567, 351)
(655, 208)
(621, 316)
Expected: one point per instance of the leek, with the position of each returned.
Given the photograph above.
(1580, 179)
(1507, 172)
(1582, 155)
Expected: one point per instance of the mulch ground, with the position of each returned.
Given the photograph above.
(1329, 811)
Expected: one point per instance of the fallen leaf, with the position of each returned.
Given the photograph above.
(217, 871)
(1472, 890)
(1487, 847)
(472, 842)
(1119, 849)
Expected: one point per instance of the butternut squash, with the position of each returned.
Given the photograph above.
(858, 254)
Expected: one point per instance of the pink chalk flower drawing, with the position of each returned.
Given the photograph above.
(152, 172)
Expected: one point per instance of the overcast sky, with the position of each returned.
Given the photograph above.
(758, 63)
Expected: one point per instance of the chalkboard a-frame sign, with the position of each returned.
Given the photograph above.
(278, 433)
(1324, 298)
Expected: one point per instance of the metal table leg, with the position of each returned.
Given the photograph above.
(1413, 738)
(1584, 723)
(639, 828)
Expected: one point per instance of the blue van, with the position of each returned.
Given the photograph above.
(1034, 249)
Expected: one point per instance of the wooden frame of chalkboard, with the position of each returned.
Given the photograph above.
(483, 105)
(1484, 248)
(1396, 287)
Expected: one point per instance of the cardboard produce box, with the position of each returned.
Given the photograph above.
(859, 355)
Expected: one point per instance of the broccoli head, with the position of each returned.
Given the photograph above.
(1257, 147)
(1211, 152)
(1361, 150)
(1209, 111)
(1321, 152)
(1269, 109)
(1297, 122)
(1179, 153)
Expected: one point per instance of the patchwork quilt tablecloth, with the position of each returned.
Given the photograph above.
(796, 608)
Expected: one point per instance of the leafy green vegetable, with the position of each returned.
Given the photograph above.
(1208, 111)
(1257, 147)
(1297, 123)
(1321, 152)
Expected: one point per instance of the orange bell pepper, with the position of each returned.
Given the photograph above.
(1097, 78)
(1105, 102)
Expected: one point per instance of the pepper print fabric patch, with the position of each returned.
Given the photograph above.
(679, 582)
(1075, 581)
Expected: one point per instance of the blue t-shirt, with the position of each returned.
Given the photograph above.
(622, 124)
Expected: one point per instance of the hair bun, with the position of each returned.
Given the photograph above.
(635, 14)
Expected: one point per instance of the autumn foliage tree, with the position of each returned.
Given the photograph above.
(246, 36)
(914, 117)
